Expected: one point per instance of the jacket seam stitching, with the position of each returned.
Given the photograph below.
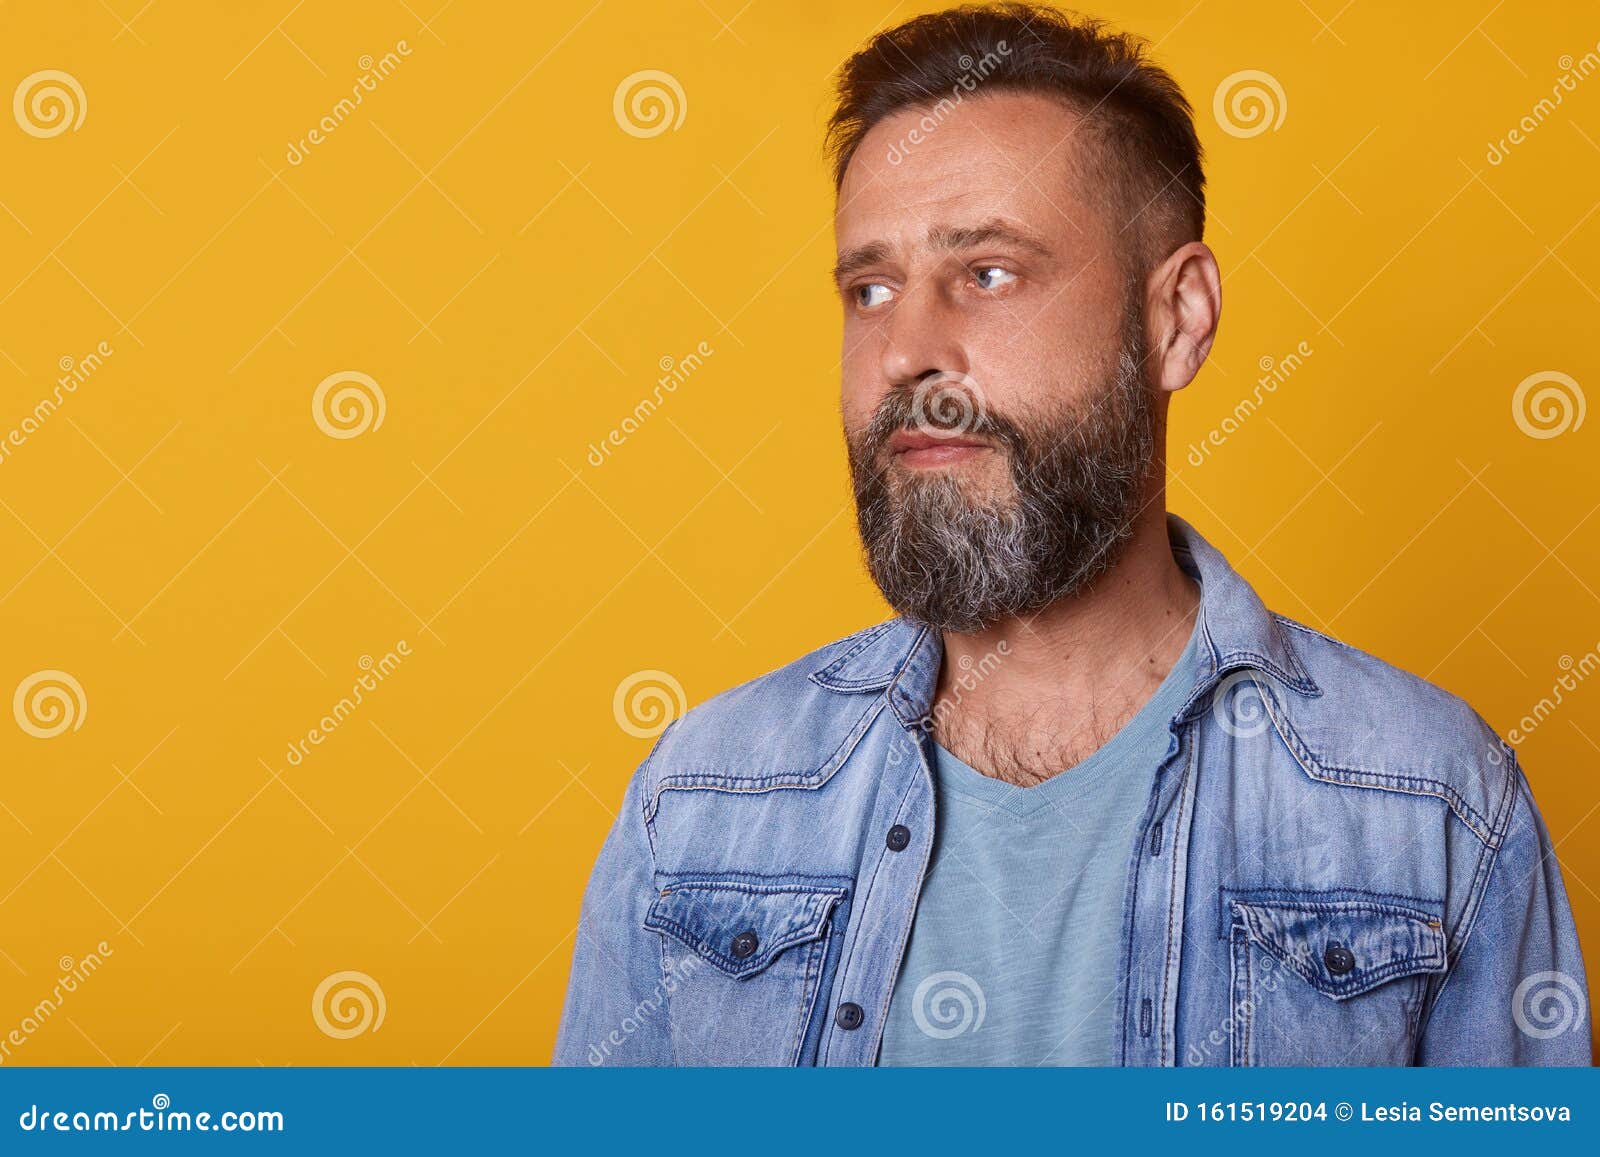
(833, 885)
(1488, 859)
(900, 669)
(1375, 781)
(815, 960)
(751, 785)
(1172, 892)
(868, 637)
(738, 969)
(847, 958)
(1372, 901)
(1474, 819)
(1369, 979)
(647, 818)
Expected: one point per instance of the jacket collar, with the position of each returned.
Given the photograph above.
(1236, 631)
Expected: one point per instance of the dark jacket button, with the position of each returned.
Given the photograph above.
(745, 945)
(1339, 959)
(849, 1016)
(899, 838)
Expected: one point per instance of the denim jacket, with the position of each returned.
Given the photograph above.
(1339, 864)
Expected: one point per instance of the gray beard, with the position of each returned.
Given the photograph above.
(959, 563)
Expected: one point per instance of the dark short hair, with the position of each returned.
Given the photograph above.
(1142, 151)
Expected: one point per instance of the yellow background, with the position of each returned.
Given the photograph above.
(482, 238)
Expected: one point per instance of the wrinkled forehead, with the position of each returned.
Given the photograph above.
(1016, 156)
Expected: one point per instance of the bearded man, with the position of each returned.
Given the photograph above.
(1085, 800)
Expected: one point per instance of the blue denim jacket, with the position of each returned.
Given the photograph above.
(1339, 864)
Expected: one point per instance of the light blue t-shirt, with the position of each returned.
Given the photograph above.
(1013, 958)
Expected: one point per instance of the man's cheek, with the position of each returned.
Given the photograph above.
(857, 404)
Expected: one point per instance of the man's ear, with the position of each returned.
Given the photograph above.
(1183, 302)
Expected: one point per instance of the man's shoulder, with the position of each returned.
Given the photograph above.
(793, 726)
(1374, 724)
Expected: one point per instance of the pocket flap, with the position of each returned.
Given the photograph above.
(1344, 946)
(741, 925)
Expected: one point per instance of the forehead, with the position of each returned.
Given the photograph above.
(1008, 155)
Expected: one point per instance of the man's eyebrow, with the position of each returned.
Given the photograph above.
(992, 231)
(859, 258)
(946, 238)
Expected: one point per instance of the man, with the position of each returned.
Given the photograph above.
(1085, 801)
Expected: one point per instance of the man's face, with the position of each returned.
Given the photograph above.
(994, 399)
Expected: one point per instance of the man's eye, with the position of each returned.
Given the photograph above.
(869, 296)
(992, 276)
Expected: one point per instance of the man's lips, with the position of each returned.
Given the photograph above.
(922, 448)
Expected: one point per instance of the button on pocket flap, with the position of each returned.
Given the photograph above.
(1344, 947)
(739, 925)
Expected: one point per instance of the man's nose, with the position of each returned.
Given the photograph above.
(924, 337)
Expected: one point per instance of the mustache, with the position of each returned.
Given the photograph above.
(947, 409)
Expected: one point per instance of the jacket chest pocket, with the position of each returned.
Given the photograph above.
(1329, 978)
(744, 960)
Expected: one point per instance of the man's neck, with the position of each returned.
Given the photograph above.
(1028, 698)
